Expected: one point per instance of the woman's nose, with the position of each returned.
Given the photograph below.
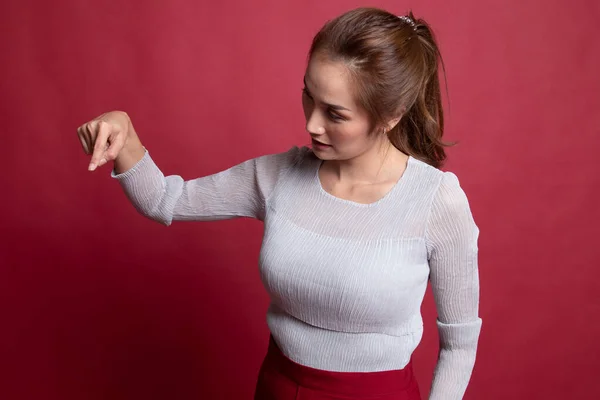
(314, 124)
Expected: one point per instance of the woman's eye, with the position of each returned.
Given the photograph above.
(335, 117)
(330, 114)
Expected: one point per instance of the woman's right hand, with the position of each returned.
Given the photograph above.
(105, 136)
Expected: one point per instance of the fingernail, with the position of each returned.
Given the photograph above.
(92, 167)
(102, 162)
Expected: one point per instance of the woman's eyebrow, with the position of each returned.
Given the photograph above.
(333, 106)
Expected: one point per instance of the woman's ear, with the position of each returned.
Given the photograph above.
(394, 121)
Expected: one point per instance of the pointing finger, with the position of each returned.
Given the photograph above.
(103, 132)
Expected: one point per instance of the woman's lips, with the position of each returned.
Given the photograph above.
(320, 145)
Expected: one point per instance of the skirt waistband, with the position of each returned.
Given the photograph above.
(344, 383)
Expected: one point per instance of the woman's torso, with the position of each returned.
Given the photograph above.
(346, 279)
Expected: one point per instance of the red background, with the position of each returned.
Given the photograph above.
(97, 302)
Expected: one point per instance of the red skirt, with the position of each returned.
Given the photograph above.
(282, 379)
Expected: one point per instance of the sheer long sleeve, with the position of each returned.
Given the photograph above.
(452, 237)
(240, 191)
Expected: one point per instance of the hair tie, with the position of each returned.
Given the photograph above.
(409, 21)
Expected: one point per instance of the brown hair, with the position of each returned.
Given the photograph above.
(394, 63)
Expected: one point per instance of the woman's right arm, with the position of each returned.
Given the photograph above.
(240, 191)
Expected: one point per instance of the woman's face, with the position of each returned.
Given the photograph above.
(339, 127)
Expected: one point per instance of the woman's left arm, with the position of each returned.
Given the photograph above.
(452, 249)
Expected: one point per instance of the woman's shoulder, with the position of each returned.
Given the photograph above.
(443, 186)
(293, 157)
(273, 166)
(301, 154)
(436, 176)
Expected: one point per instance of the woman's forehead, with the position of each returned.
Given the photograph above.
(330, 82)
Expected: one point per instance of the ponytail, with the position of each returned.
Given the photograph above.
(421, 128)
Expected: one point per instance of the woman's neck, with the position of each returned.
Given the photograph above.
(382, 162)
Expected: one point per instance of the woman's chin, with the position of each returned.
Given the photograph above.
(323, 154)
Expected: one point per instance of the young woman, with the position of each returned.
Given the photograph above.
(355, 226)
